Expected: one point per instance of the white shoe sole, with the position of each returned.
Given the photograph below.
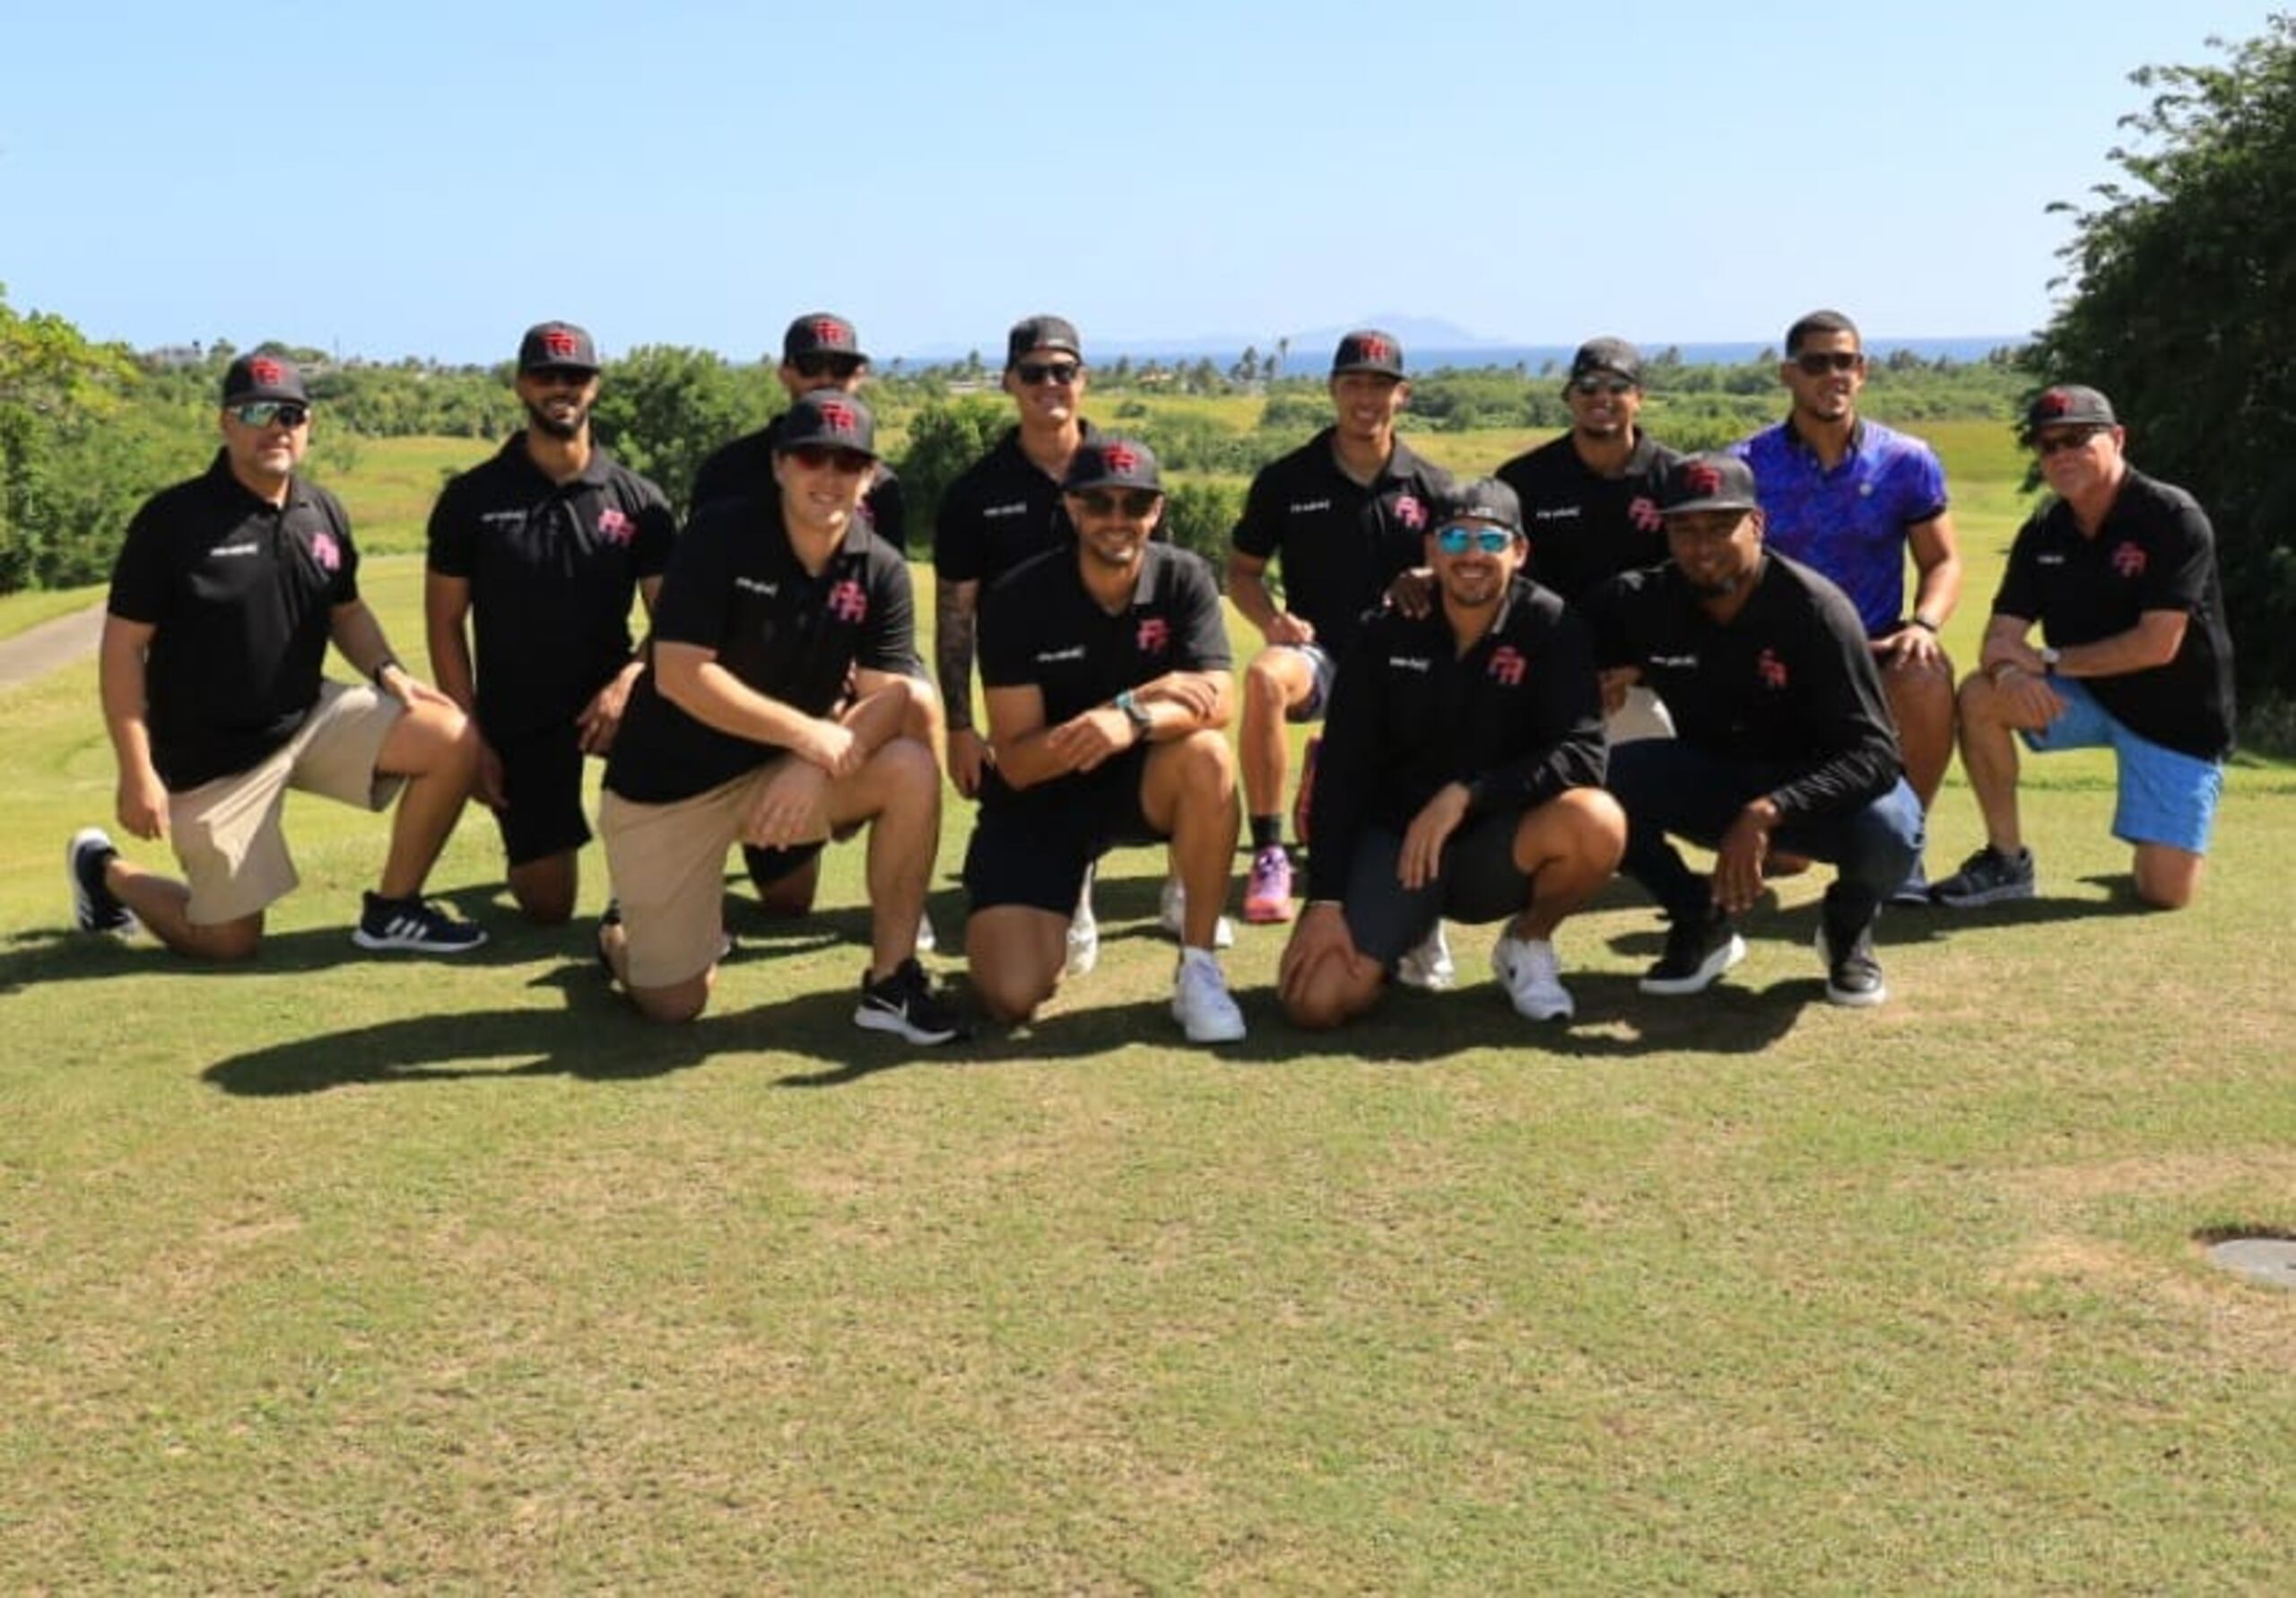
(1704, 977)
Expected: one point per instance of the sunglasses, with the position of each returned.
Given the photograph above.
(1033, 372)
(1135, 503)
(1817, 363)
(2057, 443)
(814, 457)
(1458, 539)
(1593, 385)
(820, 363)
(265, 413)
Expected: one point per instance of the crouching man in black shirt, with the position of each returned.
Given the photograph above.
(1460, 777)
(767, 606)
(226, 595)
(1107, 678)
(1783, 738)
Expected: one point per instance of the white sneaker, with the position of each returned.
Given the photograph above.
(1171, 915)
(1428, 965)
(1083, 934)
(1527, 969)
(1201, 1002)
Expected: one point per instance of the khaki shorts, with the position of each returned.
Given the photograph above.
(226, 832)
(667, 866)
(1643, 716)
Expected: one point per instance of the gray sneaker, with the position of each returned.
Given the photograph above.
(1987, 877)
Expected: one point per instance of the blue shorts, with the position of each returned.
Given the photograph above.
(2166, 797)
(1320, 670)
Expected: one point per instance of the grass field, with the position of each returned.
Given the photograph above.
(338, 1274)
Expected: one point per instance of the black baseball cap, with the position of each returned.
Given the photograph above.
(1485, 500)
(264, 377)
(1112, 463)
(1041, 333)
(828, 419)
(1369, 350)
(818, 333)
(2068, 404)
(1715, 482)
(1608, 355)
(560, 345)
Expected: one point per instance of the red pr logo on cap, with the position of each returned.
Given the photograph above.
(263, 368)
(559, 343)
(836, 418)
(830, 330)
(2054, 403)
(1701, 477)
(1371, 348)
(1120, 457)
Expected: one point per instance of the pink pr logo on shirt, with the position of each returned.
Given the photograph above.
(1154, 637)
(848, 601)
(1642, 510)
(1507, 665)
(1770, 669)
(2128, 560)
(615, 527)
(1409, 511)
(326, 551)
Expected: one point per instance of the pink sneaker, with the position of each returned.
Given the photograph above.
(1267, 895)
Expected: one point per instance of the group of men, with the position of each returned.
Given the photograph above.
(1527, 683)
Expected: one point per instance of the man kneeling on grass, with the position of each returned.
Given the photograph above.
(1460, 777)
(768, 604)
(1109, 679)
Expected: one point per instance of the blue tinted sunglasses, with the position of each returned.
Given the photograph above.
(1459, 539)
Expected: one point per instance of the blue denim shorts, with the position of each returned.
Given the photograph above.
(2166, 795)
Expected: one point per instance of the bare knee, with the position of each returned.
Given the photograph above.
(544, 890)
(674, 1006)
(224, 942)
(1010, 996)
(2167, 879)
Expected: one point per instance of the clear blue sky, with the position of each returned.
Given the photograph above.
(425, 179)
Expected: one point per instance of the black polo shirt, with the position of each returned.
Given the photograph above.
(1790, 681)
(743, 470)
(242, 594)
(2154, 552)
(552, 567)
(1517, 718)
(1586, 528)
(1003, 510)
(735, 585)
(1340, 543)
(1041, 627)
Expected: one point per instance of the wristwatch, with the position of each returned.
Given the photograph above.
(1136, 714)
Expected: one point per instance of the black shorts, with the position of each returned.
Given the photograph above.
(1033, 848)
(1479, 883)
(541, 787)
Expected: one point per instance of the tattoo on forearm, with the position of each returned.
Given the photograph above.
(952, 650)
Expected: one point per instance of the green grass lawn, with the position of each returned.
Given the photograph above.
(338, 1273)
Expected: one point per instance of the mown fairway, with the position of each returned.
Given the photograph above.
(336, 1274)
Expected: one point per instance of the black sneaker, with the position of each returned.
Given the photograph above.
(1913, 892)
(1698, 948)
(414, 924)
(1853, 976)
(95, 907)
(905, 1003)
(1987, 877)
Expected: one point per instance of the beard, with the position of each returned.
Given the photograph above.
(552, 426)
